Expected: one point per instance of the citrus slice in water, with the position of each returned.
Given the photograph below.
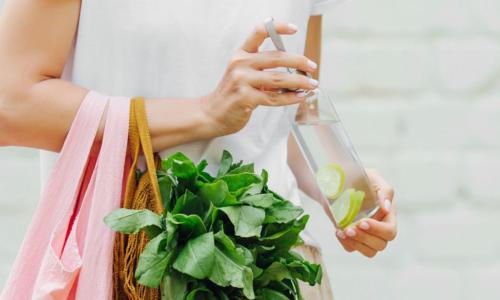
(330, 179)
(341, 207)
(347, 206)
(357, 198)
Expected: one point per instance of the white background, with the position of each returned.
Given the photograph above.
(418, 85)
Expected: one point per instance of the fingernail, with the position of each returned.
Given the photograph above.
(364, 225)
(387, 204)
(312, 64)
(341, 234)
(301, 94)
(293, 27)
(350, 232)
(313, 82)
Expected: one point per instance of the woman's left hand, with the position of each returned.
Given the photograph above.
(371, 235)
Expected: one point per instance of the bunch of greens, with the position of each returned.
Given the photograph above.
(223, 237)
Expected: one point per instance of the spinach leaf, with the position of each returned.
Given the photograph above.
(247, 220)
(131, 221)
(152, 262)
(166, 188)
(181, 166)
(188, 226)
(197, 257)
(282, 212)
(283, 236)
(229, 267)
(225, 163)
(217, 193)
(260, 200)
(248, 168)
(174, 286)
(269, 294)
(190, 204)
(239, 181)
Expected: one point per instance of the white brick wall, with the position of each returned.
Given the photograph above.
(417, 84)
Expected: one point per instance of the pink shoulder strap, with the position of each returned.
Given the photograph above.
(58, 198)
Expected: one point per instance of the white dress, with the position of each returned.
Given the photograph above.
(165, 48)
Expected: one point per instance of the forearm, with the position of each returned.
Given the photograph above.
(39, 115)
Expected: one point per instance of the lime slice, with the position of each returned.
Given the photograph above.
(330, 179)
(356, 202)
(341, 207)
(347, 206)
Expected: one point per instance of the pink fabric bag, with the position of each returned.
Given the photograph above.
(67, 252)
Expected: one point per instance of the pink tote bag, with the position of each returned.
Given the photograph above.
(67, 252)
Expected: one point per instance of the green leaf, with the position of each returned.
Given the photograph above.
(197, 257)
(257, 187)
(277, 271)
(217, 193)
(283, 212)
(202, 165)
(188, 226)
(227, 272)
(131, 221)
(201, 293)
(181, 166)
(174, 286)
(247, 220)
(239, 181)
(269, 294)
(225, 163)
(260, 200)
(189, 204)
(152, 262)
(166, 186)
(283, 236)
(248, 168)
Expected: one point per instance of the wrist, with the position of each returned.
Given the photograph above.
(208, 126)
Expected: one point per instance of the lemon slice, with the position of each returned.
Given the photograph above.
(330, 179)
(341, 207)
(347, 206)
(357, 198)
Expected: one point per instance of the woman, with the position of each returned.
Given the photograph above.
(205, 82)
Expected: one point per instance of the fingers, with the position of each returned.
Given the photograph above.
(385, 229)
(255, 40)
(280, 80)
(354, 245)
(276, 59)
(278, 99)
(384, 191)
(370, 240)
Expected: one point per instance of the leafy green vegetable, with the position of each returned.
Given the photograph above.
(152, 262)
(197, 257)
(225, 163)
(247, 220)
(224, 237)
(131, 221)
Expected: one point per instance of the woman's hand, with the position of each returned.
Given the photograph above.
(371, 235)
(246, 85)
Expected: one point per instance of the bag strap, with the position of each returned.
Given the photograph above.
(60, 192)
(141, 122)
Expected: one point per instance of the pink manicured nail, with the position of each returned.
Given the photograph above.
(312, 64)
(364, 225)
(387, 204)
(351, 232)
(340, 234)
(293, 27)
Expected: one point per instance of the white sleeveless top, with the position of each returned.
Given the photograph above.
(162, 49)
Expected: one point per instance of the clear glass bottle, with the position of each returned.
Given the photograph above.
(338, 171)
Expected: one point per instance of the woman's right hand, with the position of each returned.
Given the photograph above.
(246, 84)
